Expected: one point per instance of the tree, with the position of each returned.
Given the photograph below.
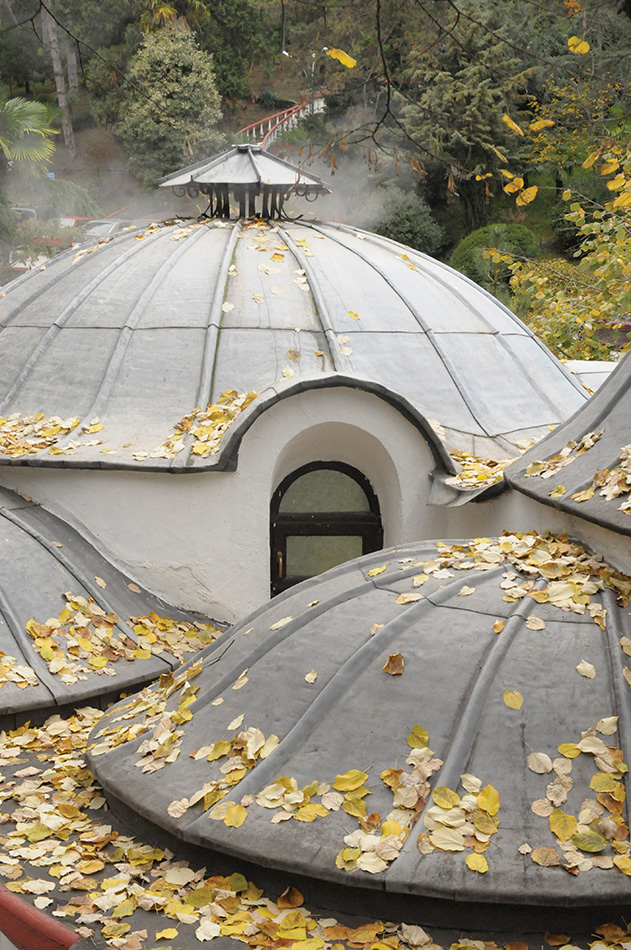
(171, 116)
(50, 39)
(584, 311)
(408, 219)
(25, 144)
(159, 13)
(20, 62)
(457, 100)
(25, 137)
(236, 34)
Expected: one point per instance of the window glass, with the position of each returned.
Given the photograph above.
(313, 554)
(324, 489)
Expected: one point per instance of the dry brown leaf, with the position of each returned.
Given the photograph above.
(539, 762)
(409, 597)
(291, 897)
(542, 807)
(586, 669)
(535, 623)
(395, 664)
(545, 857)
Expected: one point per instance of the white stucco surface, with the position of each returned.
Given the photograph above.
(201, 540)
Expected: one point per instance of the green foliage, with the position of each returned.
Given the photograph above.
(20, 61)
(172, 110)
(7, 230)
(86, 20)
(25, 137)
(105, 77)
(409, 219)
(583, 311)
(237, 35)
(461, 94)
(156, 14)
(469, 258)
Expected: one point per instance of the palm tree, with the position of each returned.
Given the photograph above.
(25, 137)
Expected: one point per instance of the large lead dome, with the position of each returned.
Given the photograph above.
(138, 331)
(303, 741)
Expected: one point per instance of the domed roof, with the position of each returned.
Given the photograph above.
(441, 720)
(72, 627)
(584, 466)
(130, 335)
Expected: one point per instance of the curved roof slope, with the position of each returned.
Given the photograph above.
(138, 331)
(586, 463)
(307, 746)
(66, 633)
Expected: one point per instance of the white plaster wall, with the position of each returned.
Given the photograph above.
(513, 511)
(202, 540)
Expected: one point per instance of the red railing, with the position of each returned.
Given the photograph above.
(266, 130)
(29, 929)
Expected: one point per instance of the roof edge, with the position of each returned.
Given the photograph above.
(226, 459)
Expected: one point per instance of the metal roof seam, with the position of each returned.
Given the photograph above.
(272, 642)
(321, 307)
(334, 691)
(441, 352)
(50, 281)
(112, 369)
(35, 661)
(65, 315)
(377, 238)
(211, 344)
(82, 577)
(612, 634)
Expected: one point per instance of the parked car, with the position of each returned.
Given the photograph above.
(23, 213)
(106, 227)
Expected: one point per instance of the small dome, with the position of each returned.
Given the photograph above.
(72, 627)
(130, 335)
(442, 720)
(583, 468)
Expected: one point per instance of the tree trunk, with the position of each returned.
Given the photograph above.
(282, 26)
(71, 62)
(7, 5)
(474, 203)
(51, 42)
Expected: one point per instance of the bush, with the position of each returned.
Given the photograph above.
(514, 239)
(409, 220)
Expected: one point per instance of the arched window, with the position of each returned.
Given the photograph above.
(322, 514)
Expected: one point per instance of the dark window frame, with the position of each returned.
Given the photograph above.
(366, 525)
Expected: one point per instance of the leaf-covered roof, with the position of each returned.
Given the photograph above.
(584, 467)
(442, 720)
(119, 343)
(73, 627)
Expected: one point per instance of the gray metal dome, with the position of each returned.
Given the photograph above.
(583, 468)
(132, 334)
(66, 628)
(303, 741)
